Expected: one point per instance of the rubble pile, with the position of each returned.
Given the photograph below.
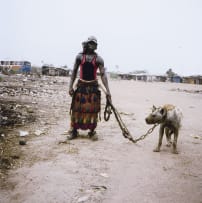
(31, 104)
(13, 113)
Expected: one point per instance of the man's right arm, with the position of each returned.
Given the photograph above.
(74, 74)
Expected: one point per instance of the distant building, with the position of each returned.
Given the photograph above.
(144, 76)
(193, 79)
(161, 78)
(136, 75)
(12, 67)
(176, 78)
(53, 71)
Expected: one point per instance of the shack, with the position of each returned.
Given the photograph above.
(54, 71)
(197, 79)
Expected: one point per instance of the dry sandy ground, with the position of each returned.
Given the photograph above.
(112, 169)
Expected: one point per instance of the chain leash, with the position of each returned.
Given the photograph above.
(107, 113)
(123, 127)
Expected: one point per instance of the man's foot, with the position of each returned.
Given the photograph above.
(73, 134)
(93, 135)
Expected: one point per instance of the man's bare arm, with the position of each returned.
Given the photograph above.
(105, 80)
(73, 77)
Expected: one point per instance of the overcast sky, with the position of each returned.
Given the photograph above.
(152, 35)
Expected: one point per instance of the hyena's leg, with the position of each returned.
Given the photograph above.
(168, 133)
(176, 131)
(161, 131)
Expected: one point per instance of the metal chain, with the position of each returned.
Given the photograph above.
(123, 127)
(147, 133)
(107, 113)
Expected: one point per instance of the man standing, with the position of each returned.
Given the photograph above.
(86, 99)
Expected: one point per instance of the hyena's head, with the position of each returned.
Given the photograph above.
(157, 115)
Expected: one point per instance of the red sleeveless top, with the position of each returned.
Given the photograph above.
(88, 70)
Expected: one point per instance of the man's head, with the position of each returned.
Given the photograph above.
(91, 43)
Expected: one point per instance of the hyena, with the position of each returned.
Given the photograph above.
(169, 117)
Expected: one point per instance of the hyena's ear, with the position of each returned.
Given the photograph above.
(153, 108)
(163, 111)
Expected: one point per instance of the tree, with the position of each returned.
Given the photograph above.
(170, 73)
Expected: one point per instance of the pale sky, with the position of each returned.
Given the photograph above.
(152, 35)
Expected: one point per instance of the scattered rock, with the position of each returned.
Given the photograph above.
(99, 187)
(22, 142)
(196, 137)
(5, 163)
(38, 132)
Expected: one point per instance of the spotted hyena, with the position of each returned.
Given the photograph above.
(169, 117)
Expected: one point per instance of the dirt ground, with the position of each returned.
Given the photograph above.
(110, 170)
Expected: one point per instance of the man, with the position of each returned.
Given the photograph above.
(86, 99)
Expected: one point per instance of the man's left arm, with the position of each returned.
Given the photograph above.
(104, 78)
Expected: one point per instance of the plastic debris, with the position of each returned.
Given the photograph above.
(104, 175)
(23, 133)
(83, 199)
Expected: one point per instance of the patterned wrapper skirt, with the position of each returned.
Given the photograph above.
(85, 105)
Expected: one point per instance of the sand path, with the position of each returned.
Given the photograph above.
(112, 169)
